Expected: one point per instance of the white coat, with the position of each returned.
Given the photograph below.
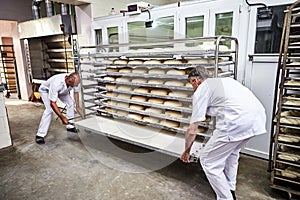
(239, 116)
(51, 90)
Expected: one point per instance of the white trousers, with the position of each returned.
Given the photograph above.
(47, 115)
(219, 161)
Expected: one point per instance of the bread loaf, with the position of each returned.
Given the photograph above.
(156, 81)
(123, 79)
(179, 94)
(112, 70)
(173, 61)
(172, 113)
(174, 83)
(109, 78)
(139, 98)
(110, 86)
(141, 90)
(198, 61)
(172, 103)
(156, 100)
(136, 62)
(136, 107)
(121, 61)
(150, 119)
(176, 72)
(124, 88)
(139, 80)
(135, 116)
(159, 91)
(152, 62)
(125, 70)
(170, 123)
(140, 71)
(124, 96)
(156, 71)
(154, 110)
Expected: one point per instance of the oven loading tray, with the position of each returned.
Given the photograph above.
(152, 138)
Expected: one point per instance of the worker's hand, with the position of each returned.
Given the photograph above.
(64, 120)
(185, 157)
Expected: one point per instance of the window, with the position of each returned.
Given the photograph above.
(194, 26)
(224, 26)
(268, 29)
(162, 29)
(98, 37)
(113, 35)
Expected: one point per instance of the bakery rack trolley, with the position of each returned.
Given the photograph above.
(284, 161)
(144, 86)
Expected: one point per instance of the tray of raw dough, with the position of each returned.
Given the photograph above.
(162, 123)
(292, 84)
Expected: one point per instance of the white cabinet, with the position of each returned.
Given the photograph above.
(5, 139)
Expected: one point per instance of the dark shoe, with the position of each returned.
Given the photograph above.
(73, 130)
(233, 194)
(39, 140)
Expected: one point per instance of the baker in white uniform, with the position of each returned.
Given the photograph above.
(239, 117)
(59, 87)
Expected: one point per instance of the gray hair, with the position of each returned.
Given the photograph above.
(200, 72)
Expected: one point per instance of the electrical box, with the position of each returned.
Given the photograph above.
(136, 8)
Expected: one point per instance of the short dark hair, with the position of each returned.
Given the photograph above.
(200, 72)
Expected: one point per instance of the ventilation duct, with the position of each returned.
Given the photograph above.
(49, 8)
(36, 11)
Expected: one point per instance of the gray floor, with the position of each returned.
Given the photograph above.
(67, 168)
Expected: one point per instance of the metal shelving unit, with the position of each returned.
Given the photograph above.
(113, 94)
(8, 70)
(284, 159)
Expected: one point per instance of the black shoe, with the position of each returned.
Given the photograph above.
(73, 130)
(233, 194)
(39, 140)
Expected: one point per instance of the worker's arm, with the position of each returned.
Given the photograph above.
(78, 108)
(190, 137)
(56, 109)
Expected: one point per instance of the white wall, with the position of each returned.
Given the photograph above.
(103, 7)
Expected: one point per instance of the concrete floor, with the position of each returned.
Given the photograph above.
(65, 168)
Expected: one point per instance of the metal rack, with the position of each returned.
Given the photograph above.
(284, 159)
(109, 93)
(8, 70)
